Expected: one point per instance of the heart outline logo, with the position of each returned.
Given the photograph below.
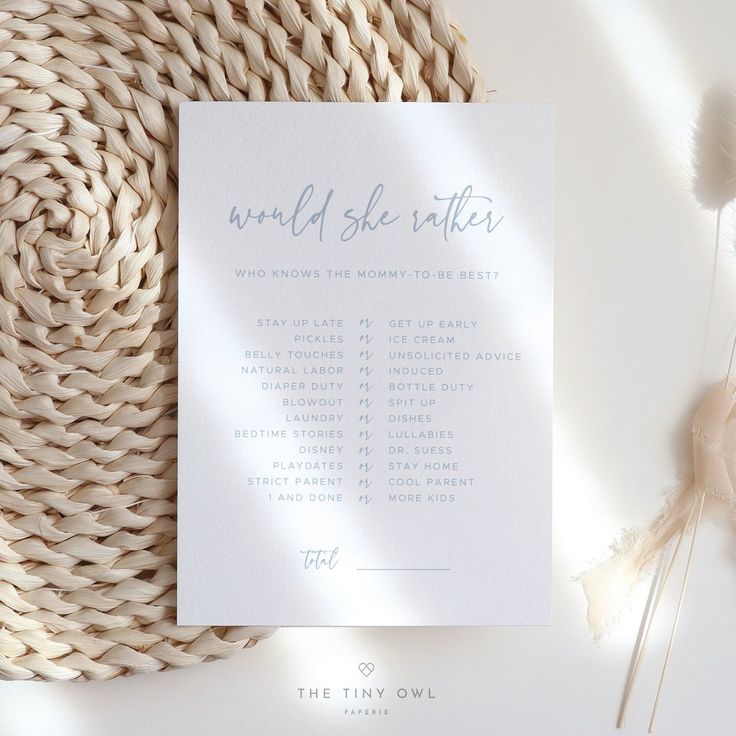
(366, 668)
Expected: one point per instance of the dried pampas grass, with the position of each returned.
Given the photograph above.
(638, 553)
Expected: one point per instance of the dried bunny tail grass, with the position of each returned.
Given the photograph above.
(89, 93)
(714, 150)
(714, 173)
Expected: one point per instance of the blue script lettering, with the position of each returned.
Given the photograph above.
(297, 220)
(360, 223)
(319, 558)
(452, 216)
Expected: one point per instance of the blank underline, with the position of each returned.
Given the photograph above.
(403, 569)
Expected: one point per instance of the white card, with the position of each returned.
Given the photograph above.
(365, 362)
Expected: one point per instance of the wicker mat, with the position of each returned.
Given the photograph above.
(89, 93)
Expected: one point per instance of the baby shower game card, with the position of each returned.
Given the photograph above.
(365, 362)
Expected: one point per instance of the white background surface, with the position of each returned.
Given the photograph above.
(633, 261)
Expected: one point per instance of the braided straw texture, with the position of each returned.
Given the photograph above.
(89, 93)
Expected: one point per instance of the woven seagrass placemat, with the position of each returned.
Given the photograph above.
(89, 93)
